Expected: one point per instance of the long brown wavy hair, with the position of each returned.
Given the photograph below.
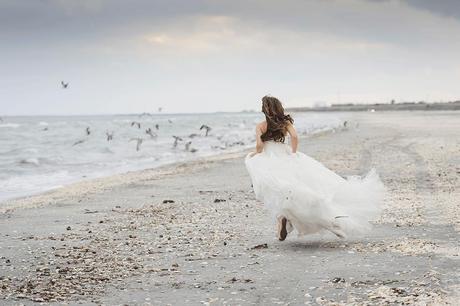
(277, 121)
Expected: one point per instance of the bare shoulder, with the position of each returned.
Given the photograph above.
(262, 125)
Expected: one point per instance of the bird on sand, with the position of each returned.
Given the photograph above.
(88, 131)
(109, 135)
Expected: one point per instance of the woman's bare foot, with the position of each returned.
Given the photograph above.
(282, 231)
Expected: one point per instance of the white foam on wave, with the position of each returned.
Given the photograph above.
(17, 186)
(10, 125)
(31, 150)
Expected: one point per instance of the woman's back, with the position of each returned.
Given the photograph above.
(264, 127)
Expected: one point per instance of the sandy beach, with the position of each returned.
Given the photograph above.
(193, 233)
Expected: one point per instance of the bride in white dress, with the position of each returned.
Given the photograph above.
(302, 193)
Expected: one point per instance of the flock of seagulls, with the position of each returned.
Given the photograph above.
(149, 131)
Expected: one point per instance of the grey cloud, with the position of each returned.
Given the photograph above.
(446, 8)
(88, 43)
(61, 21)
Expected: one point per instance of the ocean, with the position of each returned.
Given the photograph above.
(40, 153)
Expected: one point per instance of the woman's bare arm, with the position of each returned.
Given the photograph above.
(294, 138)
(259, 142)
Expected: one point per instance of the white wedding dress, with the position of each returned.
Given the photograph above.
(310, 196)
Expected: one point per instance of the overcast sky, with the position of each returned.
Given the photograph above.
(202, 56)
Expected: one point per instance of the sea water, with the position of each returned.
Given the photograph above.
(40, 153)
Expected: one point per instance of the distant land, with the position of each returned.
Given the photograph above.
(392, 106)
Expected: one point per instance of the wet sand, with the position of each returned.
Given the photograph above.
(193, 234)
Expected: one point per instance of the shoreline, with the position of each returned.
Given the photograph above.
(197, 235)
(96, 179)
(32, 168)
(109, 181)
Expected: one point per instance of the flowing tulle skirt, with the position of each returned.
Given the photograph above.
(312, 197)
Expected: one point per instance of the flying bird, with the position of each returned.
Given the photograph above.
(138, 142)
(176, 140)
(207, 128)
(136, 123)
(64, 85)
(109, 135)
(78, 142)
(151, 133)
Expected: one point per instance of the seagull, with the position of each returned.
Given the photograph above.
(204, 126)
(64, 85)
(151, 133)
(176, 140)
(139, 142)
(144, 114)
(88, 131)
(136, 123)
(109, 135)
(78, 142)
